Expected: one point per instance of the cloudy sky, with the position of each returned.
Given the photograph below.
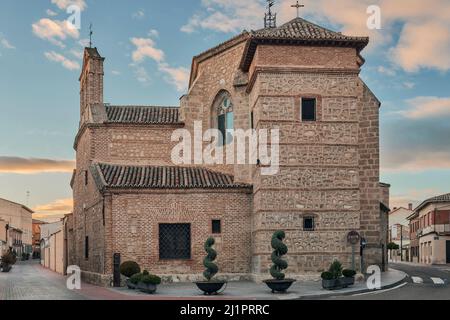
(149, 46)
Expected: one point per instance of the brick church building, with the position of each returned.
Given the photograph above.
(130, 199)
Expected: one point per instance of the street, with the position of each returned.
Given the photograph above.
(423, 283)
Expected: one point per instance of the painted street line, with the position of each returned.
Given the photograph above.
(438, 281)
(417, 280)
(380, 291)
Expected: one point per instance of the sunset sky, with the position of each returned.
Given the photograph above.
(149, 46)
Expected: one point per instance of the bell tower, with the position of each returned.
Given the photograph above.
(91, 82)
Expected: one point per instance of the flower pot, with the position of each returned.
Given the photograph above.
(147, 288)
(329, 284)
(6, 268)
(279, 285)
(131, 285)
(210, 287)
(348, 281)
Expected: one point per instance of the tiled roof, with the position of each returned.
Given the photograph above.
(302, 29)
(441, 198)
(152, 177)
(299, 31)
(142, 114)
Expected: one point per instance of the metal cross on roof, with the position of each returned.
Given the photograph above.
(90, 35)
(298, 6)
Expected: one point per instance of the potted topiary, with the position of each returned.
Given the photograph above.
(349, 277)
(8, 260)
(332, 279)
(279, 283)
(147, 282)
(133, 282)
(128, 269)
(328, 281)
(210, 287)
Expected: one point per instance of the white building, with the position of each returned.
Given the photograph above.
(399, 232)
(18, 217)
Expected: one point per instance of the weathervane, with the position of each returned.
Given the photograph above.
(298, 6)
(270, 19)
(90, 35)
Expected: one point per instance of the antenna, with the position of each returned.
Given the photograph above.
(270, 19)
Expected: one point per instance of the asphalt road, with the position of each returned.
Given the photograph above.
(423, 283)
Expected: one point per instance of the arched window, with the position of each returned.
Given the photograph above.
(223, 116)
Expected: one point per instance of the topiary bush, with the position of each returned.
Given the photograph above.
(150, 279)
(145, 273)
(280, 249)
(336, 269)
(211, 268)
(129, 268)
(136, 278)
(348, 273)
(8, 259)
(326, 275)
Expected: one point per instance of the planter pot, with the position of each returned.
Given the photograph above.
(6, 268)
(210, 287)
(329, 284)
(348, 281)
(279, 285)
(147, 288)
(131, 285)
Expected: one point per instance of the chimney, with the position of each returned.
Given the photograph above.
(410, 206)
(91, 82)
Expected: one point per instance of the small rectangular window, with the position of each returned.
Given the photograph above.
(308, 224)
(216, 226)
(86, 177)
(252, 121)
(308, 109)
(86, 248)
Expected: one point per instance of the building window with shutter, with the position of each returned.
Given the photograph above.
(308, 112)
(174, 241)
(223, 117)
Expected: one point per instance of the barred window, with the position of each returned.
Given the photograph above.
(174, 241)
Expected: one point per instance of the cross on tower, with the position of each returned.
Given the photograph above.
(90, 35)
(298, 6)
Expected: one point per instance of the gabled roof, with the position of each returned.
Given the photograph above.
(142, 115)
(299, 32)
(441, 198)
(153, 177)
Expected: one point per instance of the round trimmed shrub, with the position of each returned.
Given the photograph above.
(280, 249)
(145, 273)
(349, 273)
(8, 259)
(211, 268)
(136, 278)
(326, 275)
(129, 268)
(150, 279)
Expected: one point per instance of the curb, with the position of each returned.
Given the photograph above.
(358, 291)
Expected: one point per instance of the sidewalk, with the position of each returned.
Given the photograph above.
(254, 291)
(31, 281)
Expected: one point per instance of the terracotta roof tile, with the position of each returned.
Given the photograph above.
(142, 115)
(152, 177)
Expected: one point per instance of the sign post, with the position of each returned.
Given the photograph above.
(353, 238)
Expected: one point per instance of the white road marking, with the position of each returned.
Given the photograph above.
(417, 280)
(380, 291)
(438, 281)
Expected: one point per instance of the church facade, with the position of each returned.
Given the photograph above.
(131, 199)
